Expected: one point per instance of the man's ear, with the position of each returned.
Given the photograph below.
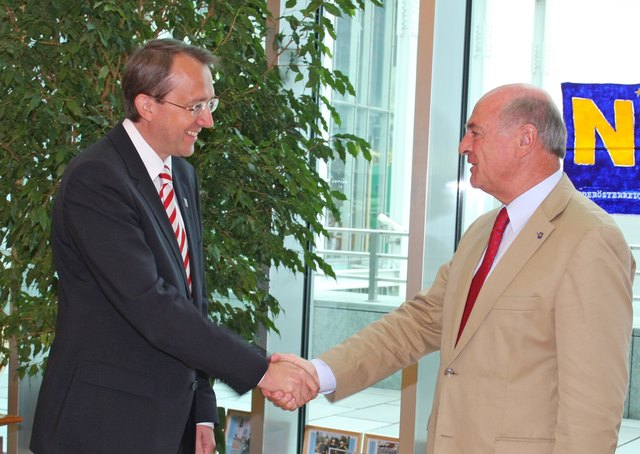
(527, 138)
(145, 105)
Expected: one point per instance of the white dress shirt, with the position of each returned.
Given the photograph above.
(150, 159)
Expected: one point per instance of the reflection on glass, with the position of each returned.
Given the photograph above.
(367, 247)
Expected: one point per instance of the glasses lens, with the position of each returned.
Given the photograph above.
(197, 109)
(213, 104)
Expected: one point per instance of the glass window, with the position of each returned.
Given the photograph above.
(367, 247)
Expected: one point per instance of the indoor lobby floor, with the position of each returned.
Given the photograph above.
(374, 411)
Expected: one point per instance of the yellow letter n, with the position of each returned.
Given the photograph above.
(619, 140)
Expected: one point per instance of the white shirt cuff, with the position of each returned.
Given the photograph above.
(325, 375)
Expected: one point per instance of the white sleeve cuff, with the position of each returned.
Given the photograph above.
(325, 375)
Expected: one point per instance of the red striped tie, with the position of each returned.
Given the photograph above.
(167, 195)
(495, 238)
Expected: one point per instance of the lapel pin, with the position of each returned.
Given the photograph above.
(186, 204)
(540, 235)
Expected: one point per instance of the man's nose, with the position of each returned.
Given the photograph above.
(465, 145)
(205, 119)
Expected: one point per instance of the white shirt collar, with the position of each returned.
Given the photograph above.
(522, 207)
(150, 158)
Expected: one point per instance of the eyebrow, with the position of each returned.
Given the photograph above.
(199, 100)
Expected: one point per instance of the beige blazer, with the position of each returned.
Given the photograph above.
(542, 365)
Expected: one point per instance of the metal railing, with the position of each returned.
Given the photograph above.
(373, 242)
(372, 256)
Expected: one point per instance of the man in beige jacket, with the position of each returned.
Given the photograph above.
(541, 365)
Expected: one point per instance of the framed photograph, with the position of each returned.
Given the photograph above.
(320, 440)
(378, 444)
(238, 432)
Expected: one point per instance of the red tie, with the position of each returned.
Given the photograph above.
(167, 195)
(499, 227)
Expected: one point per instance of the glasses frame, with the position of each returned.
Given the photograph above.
(198, 108)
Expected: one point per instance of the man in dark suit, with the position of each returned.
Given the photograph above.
(130, 368)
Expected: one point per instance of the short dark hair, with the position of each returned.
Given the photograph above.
(148, 69)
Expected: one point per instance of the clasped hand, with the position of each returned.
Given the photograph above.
(290, 381)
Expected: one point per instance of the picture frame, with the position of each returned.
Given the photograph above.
(323, 440)
(379, 444)
(238, 432)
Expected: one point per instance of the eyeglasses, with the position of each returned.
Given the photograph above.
(197, 109)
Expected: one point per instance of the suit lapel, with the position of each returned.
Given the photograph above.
(470, 250)
(187, 210)
(532, 236)
(140, 178)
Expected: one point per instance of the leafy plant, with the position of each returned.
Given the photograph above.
(61, 62)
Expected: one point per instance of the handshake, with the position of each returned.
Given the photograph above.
(290, 381)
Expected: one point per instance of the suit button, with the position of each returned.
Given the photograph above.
(449, 371)
(194, 385)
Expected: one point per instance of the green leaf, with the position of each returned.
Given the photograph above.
(73, 106)
(332, 9)
(104, 71)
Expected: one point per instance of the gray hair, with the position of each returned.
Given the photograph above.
(541, 112)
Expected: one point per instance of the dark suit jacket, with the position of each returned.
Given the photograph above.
(132, 347)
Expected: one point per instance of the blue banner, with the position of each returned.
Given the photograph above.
(602, 143)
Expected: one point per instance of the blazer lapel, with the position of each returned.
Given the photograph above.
(470, 250)
(183, 195)
(140, 178)
(529, 240)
